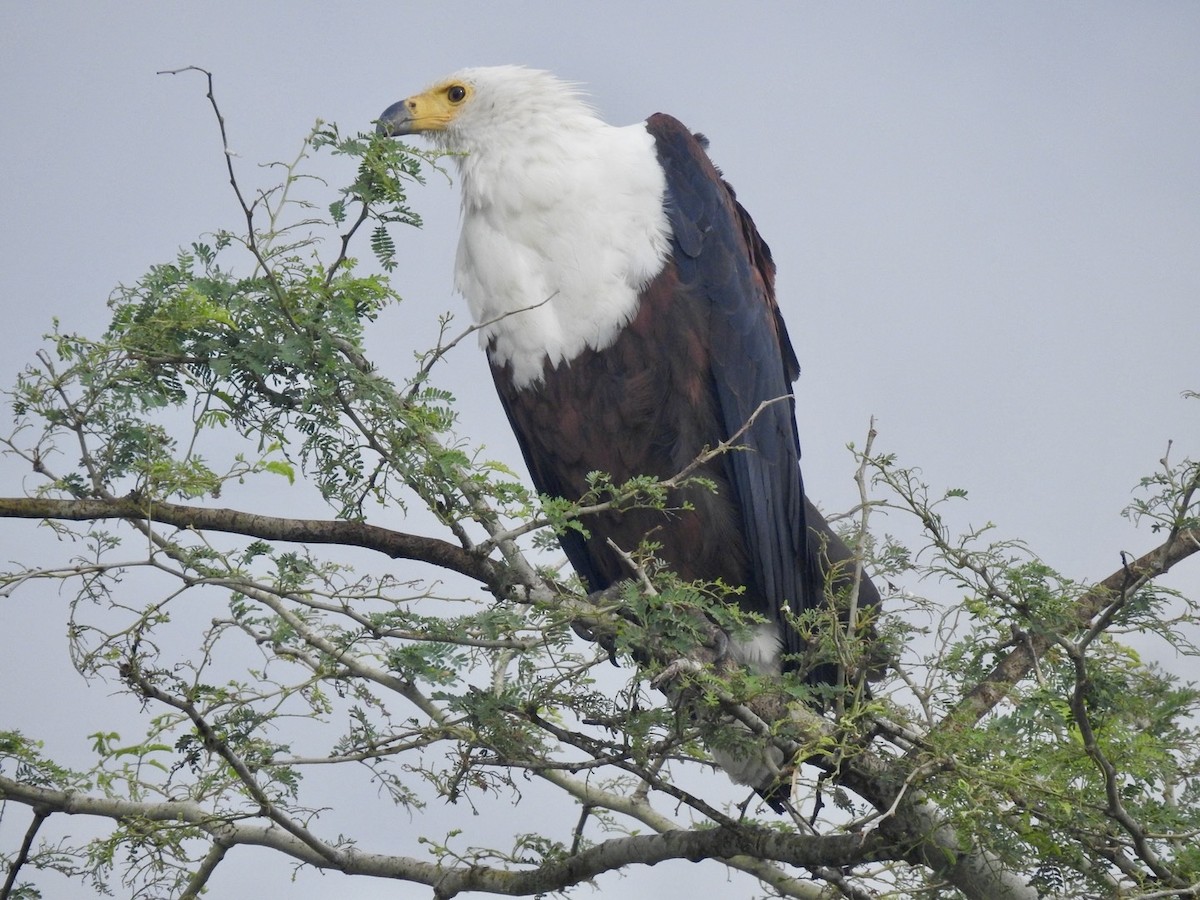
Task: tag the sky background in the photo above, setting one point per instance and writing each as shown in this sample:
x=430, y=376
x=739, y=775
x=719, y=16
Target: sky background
x=986, y=220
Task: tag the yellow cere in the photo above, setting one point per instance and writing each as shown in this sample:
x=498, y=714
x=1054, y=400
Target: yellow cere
x=434, y=109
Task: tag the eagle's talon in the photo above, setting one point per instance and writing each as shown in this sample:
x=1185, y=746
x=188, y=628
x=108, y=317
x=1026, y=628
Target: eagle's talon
x=664, y=679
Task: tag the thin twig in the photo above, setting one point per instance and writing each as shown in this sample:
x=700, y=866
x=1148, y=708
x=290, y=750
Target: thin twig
x=39, y=816
x=441, y=350
x=622, y=499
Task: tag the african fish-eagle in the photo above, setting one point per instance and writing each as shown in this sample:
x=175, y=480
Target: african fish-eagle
x=627, y=307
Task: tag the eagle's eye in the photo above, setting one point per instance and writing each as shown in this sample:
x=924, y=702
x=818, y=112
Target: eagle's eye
x=455, y=93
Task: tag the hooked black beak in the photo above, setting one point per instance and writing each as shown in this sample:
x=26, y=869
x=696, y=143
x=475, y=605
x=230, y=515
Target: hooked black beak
x=395, y=120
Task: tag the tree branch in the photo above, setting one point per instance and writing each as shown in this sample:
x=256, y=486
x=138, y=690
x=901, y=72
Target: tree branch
x=39, y=816
x=396, y=544
x=1020, y=661
x=805, y=851
x=215, y=744
x=207, y=866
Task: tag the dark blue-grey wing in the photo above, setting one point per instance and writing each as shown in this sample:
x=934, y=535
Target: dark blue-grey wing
x=720, y=255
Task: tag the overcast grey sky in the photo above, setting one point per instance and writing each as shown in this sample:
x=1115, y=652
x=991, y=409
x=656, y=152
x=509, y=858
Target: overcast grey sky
x=986, y=219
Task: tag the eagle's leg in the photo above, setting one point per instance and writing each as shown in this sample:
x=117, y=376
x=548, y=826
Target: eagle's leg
x=609, y=598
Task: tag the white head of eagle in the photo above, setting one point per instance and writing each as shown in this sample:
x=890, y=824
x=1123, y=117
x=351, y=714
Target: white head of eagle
x=627, y=306
x=563, y=219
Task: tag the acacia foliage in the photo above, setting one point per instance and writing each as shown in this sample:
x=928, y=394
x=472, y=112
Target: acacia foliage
x=1019, y=746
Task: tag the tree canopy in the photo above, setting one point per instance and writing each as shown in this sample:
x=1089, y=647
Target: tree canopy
x=1024, y=741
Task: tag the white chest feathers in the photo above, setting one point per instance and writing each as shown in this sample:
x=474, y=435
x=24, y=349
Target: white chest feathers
x=558, y=240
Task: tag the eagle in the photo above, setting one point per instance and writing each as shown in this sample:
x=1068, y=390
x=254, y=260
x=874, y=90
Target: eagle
x=626, y=303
